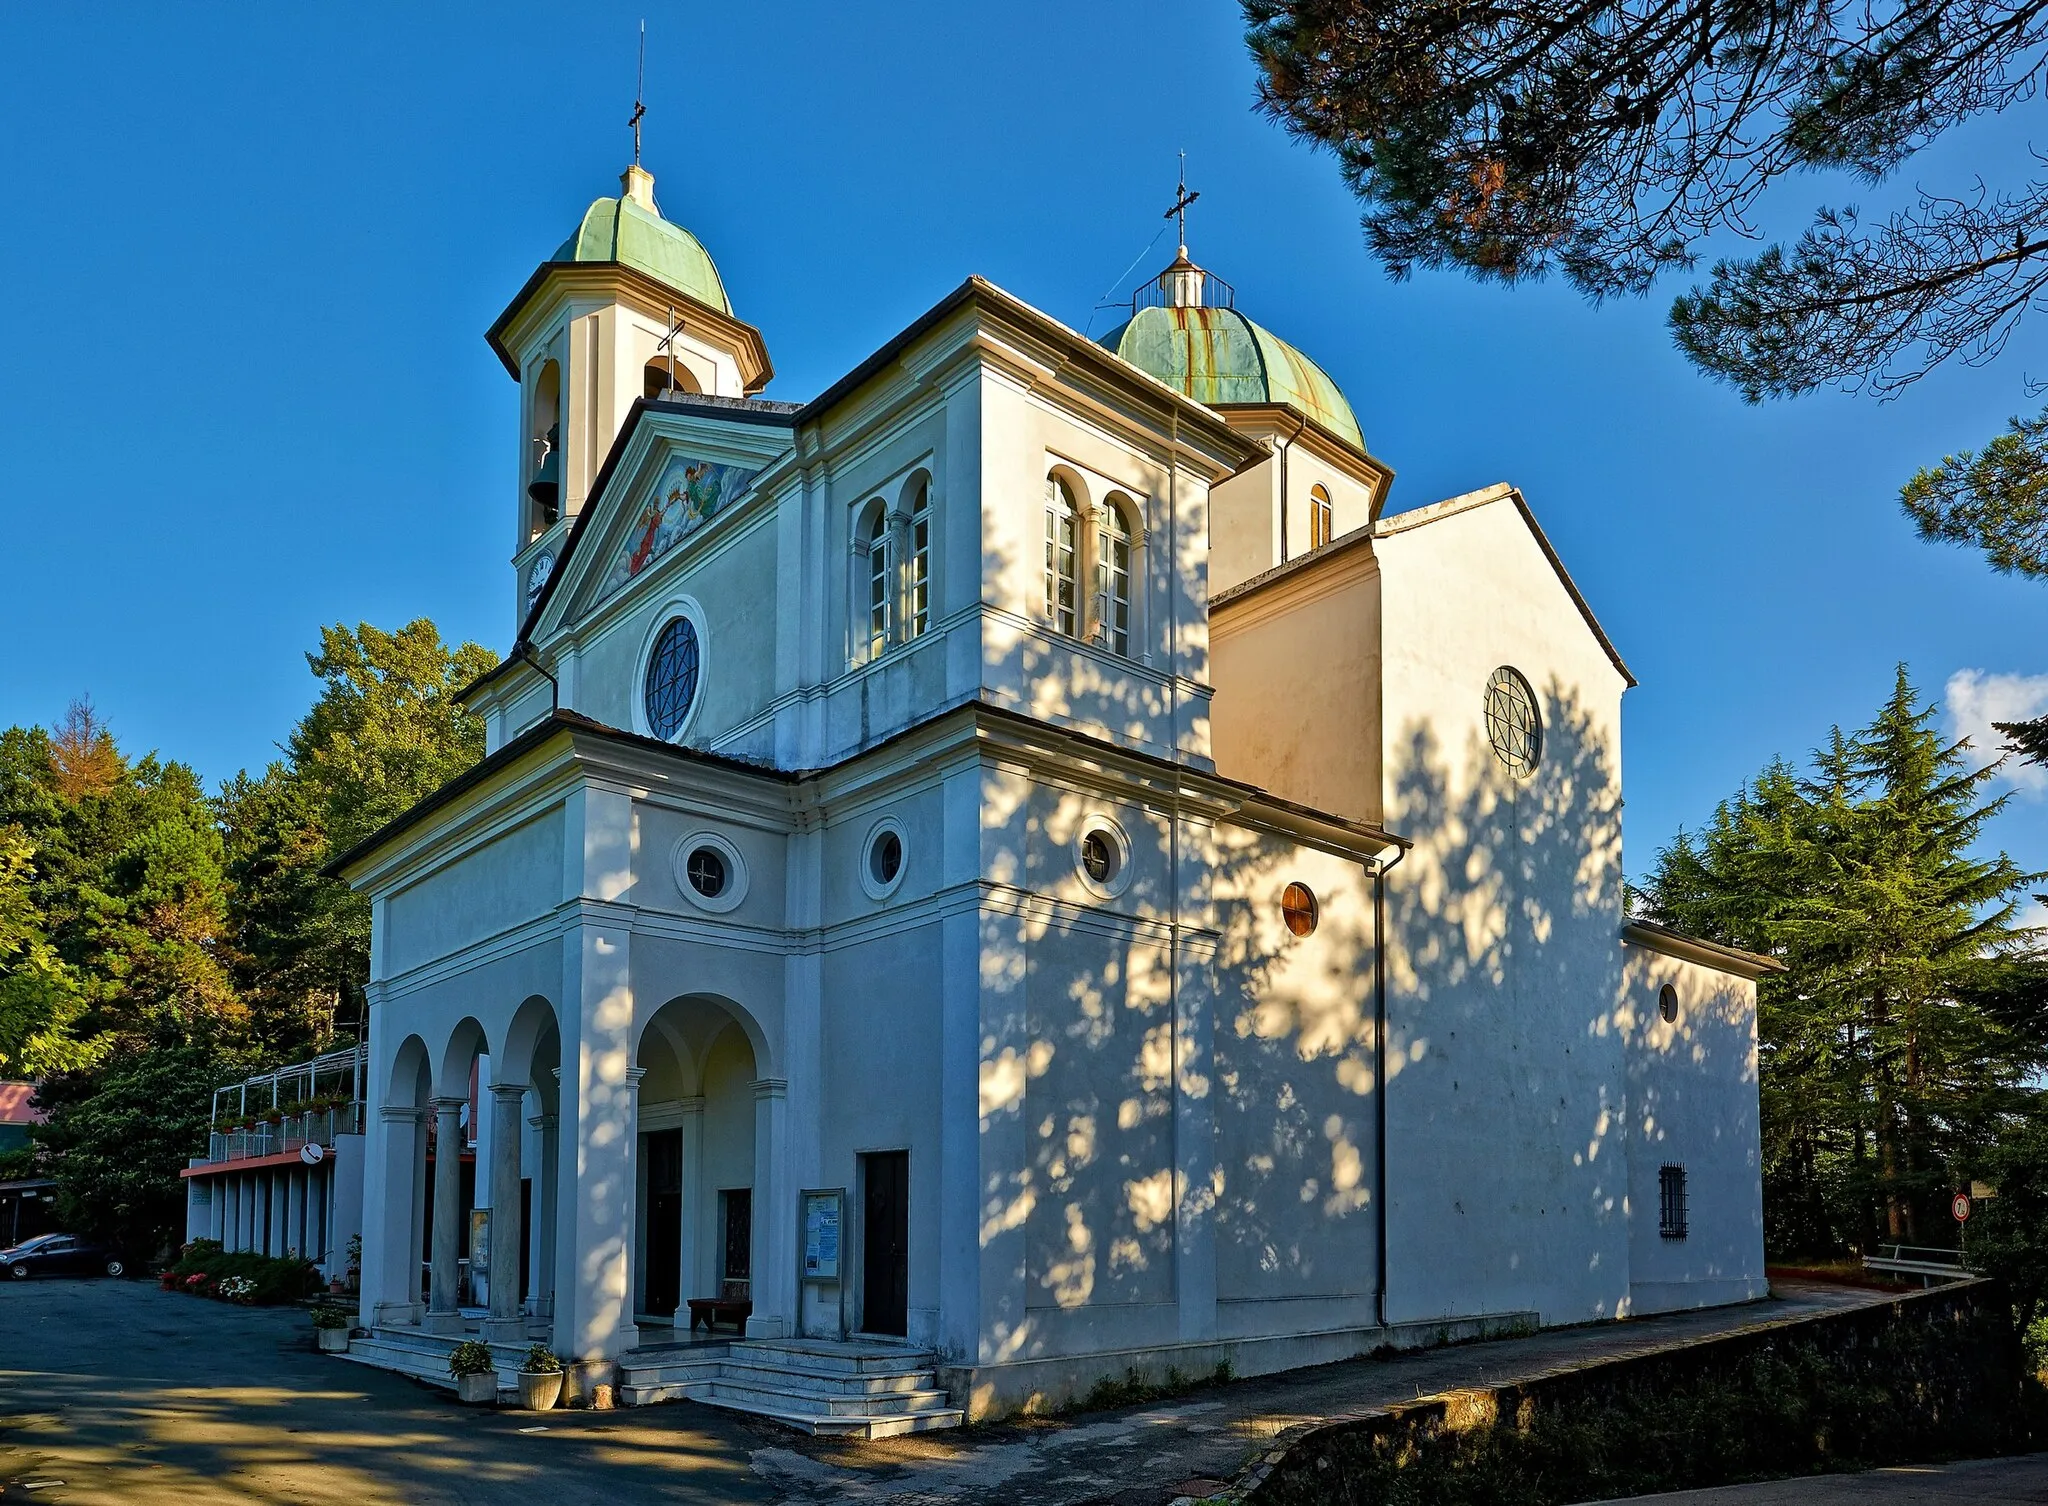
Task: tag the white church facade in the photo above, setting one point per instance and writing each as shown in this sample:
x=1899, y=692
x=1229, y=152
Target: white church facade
x=1021, y=859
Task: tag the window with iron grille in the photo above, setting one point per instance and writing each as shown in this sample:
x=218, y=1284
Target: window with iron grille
x=1671, y=1202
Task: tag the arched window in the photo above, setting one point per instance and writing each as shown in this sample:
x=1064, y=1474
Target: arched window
x=664, y=379
x=917, y=585
x=1062, y=570
x=544, y=453
x=1319, y=517
x=880, y=595
x=1113, y=577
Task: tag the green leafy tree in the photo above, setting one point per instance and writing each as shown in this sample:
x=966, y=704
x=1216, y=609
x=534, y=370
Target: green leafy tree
x=1913, y=1011
x=117, y=1137
x=1996, y=501
x=2007, y=1237
x=40, y=1003
x=385, y=732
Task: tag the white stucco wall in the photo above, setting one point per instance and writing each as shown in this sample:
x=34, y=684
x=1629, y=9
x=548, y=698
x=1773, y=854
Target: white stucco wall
x=1692, y=1089
x=1506, y=1094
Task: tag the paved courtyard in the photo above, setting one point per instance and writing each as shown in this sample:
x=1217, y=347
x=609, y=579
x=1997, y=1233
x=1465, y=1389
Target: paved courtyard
x=118, y=1392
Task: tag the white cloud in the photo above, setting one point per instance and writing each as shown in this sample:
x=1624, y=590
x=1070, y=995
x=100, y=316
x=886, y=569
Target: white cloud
x=1976, y=700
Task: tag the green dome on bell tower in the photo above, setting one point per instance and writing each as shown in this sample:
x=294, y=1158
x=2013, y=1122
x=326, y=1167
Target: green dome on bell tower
x=629, y=231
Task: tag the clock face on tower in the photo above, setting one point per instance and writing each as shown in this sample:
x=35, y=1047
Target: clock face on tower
x=537, y=576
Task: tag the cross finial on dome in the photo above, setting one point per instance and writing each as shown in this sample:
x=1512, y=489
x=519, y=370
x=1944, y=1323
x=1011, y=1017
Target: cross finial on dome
x=1180, y=205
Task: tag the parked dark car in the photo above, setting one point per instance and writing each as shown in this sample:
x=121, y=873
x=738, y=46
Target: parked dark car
x=61, y=1255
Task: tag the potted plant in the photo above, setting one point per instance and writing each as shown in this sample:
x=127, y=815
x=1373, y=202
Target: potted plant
x=330, y=1327
x=476, y=1374
x=540, y=1379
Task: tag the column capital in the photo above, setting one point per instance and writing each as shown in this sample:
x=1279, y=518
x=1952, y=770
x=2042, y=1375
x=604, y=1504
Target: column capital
x=509, y=1089
x=448, y=1105
x=633, y=1076
x=694, y=1104
x=401, y=1113
x=543, y=1121
x=771, y=1087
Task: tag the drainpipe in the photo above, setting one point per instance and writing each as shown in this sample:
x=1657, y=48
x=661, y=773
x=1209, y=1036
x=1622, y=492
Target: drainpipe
x=1379, y=1066
x=525, y=651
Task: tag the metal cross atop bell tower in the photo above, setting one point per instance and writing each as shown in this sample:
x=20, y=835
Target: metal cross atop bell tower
x=1180, y=204
x=639, y=95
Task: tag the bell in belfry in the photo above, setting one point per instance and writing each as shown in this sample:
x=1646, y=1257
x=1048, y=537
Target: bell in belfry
x=546, y=487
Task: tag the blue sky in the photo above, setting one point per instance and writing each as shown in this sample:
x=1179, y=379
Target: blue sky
x=251, y=253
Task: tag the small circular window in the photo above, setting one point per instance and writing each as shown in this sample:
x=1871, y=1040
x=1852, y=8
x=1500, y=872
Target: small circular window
x=1099, y=858
x=1299, y=909
x=885, y=857
x=1513, y=725
x=707, y=871
x=1667, y=1004
x=672, y=677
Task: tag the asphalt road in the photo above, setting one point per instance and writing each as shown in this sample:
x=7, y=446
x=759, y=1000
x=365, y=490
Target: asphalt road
x=1978, y=1482
x=115, y=1391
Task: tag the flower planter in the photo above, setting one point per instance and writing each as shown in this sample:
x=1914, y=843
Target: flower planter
x=332, y=1340
x=477, y=1389
x=539, y=1390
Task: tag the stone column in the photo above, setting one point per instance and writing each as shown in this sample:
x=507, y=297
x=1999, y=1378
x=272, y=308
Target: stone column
x=443, y=1297
x=693, y=1207
x=294, y=1212
x=391, y=1229
x=543, y=1293
x=506, y=1324
x=217, y=1210
x=773, y=1287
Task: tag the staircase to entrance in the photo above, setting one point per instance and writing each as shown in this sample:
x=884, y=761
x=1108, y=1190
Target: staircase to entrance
x=841, y=1388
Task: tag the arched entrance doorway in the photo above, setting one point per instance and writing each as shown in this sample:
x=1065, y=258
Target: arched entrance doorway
x=698, y=1228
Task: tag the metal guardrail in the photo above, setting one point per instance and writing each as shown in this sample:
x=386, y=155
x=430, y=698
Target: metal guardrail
x=287, y=1135
x=1924, y=1261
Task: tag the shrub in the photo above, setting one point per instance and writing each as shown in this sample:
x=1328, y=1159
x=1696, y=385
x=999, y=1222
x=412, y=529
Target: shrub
x=470, y=1357
x=236, y=1289
x=325, y=1316
x=541, y=1360
x=205, y=1268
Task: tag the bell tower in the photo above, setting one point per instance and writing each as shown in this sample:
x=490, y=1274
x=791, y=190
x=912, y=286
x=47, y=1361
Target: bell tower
x=629, y=310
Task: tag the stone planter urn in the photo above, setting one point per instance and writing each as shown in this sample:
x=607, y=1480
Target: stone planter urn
x=477, y=1389
x=539, y=1390
x=332, y=1340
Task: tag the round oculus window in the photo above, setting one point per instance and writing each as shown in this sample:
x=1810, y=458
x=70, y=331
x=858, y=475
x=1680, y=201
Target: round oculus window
x=1667, y=1004
x=885, y=857
x=1513, y=725
x=1101, y=859
x=707, y=871
x=672, y=677
x=1299, y=909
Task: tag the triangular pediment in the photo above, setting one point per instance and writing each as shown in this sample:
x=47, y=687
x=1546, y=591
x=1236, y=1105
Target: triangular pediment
x=673, y=480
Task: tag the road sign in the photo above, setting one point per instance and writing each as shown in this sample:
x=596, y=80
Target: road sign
x=1959, y=1205
x=312, y=1152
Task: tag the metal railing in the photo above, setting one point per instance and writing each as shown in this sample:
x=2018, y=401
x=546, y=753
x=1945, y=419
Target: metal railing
x=1925, y=1261
x=288, y=1134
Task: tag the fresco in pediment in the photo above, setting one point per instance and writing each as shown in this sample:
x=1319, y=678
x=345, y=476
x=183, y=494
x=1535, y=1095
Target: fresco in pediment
x=689, y=495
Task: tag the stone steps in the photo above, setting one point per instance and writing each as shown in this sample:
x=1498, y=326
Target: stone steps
x=424, y=1356
x=818, y=1386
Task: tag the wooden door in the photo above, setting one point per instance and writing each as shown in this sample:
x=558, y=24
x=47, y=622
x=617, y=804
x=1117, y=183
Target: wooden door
x=885, y=1242
x=664, y=1289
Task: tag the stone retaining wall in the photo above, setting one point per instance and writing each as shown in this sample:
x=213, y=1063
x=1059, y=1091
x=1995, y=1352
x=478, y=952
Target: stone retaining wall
x=1926, y=1375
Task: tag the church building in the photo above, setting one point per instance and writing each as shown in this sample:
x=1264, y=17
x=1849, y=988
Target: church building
x=1017, y=870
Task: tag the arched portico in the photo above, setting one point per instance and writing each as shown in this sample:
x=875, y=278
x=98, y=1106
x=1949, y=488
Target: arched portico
x=393, y=1243
x=708, y=1123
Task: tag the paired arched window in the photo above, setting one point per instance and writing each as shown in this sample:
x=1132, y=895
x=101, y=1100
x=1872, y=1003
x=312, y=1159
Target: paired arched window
x=1113, y=578
x=880, y=578
x=1320, y=518
x=1062, y=560
x=1110, y=548
x=893, y=585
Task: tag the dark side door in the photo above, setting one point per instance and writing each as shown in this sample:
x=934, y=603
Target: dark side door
x=885, y=1242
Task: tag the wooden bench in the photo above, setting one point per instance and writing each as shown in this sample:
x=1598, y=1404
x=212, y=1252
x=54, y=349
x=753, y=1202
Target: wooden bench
x=712, y=1311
